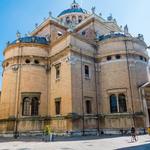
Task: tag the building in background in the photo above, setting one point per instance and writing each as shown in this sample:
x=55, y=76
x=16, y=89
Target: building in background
x=78, y=72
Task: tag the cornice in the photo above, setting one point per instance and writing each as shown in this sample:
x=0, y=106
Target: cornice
x=46, y=23
x=25, y=45
x=94, y=18
x=116, y=39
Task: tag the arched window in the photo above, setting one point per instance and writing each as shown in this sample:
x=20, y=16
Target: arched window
x=74, y=19
x=113, y=103
x=122, y=103
x=61, y=20
x=34, y=106
x=26, y=107
x=80, y=19
x=67, y=20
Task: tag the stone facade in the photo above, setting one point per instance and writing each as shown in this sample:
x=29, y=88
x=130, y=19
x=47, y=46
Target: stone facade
x=83, y=75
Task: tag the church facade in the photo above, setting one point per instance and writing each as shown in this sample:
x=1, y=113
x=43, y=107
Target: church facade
x=78, y=72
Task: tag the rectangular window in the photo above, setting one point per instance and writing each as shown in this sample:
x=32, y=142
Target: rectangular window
x=88, y=107
x=57, y=106
x=86, y=70
x=57, y=67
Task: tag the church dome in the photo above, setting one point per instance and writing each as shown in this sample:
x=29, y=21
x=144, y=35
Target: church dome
x=74, y=15
x=75, y=8
x=72, y=10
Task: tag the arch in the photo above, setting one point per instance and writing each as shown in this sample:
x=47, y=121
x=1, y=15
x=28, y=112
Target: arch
x=122, y=103
x=113, y=103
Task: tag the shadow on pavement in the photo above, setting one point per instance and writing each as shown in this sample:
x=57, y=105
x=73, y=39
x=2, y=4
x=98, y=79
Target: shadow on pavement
x=138, y=147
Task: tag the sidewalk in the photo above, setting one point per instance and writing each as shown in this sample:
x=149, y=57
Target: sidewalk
x=77, y=143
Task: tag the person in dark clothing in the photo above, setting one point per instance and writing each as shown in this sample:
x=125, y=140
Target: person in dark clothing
x=133, y=134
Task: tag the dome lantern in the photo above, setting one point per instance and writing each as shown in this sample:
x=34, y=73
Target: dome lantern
x=74, y=5
x=73, y=15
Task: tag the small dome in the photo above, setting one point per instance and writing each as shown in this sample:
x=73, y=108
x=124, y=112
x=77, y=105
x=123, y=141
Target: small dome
x=75, y=8
x=31, y=39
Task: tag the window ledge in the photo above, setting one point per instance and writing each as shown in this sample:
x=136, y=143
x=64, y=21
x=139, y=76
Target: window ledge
x=90, y=114
x=58, y=79
x=58, y=115
x=30, y=116
x=87, y=78
x=116, y=114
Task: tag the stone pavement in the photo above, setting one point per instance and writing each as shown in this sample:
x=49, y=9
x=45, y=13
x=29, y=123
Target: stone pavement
x=77, y=143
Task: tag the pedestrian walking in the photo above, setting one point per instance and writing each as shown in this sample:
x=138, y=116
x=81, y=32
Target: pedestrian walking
x=48, y=136
x=133, y=134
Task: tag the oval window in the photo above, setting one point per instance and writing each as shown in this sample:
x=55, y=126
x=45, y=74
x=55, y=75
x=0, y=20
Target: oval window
x=118, y=56
x=108, y=58
x=27, y=61
x=36, y=61
x=7, y=64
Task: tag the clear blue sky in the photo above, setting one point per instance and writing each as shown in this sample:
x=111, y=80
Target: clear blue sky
x=23, y=14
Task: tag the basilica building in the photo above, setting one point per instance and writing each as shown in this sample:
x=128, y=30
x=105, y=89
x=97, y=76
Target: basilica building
x=78, y=73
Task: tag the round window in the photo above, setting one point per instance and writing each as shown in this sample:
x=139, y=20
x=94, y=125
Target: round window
x=118, y=56
x=36, y=61
x=27, y=61
x=7, y=64
x=108, y=58
x=141, y=57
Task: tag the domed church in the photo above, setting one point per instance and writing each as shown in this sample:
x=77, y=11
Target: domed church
x=78, y=73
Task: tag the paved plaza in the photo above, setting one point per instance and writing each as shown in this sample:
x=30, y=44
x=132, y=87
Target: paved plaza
x=77, y=143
